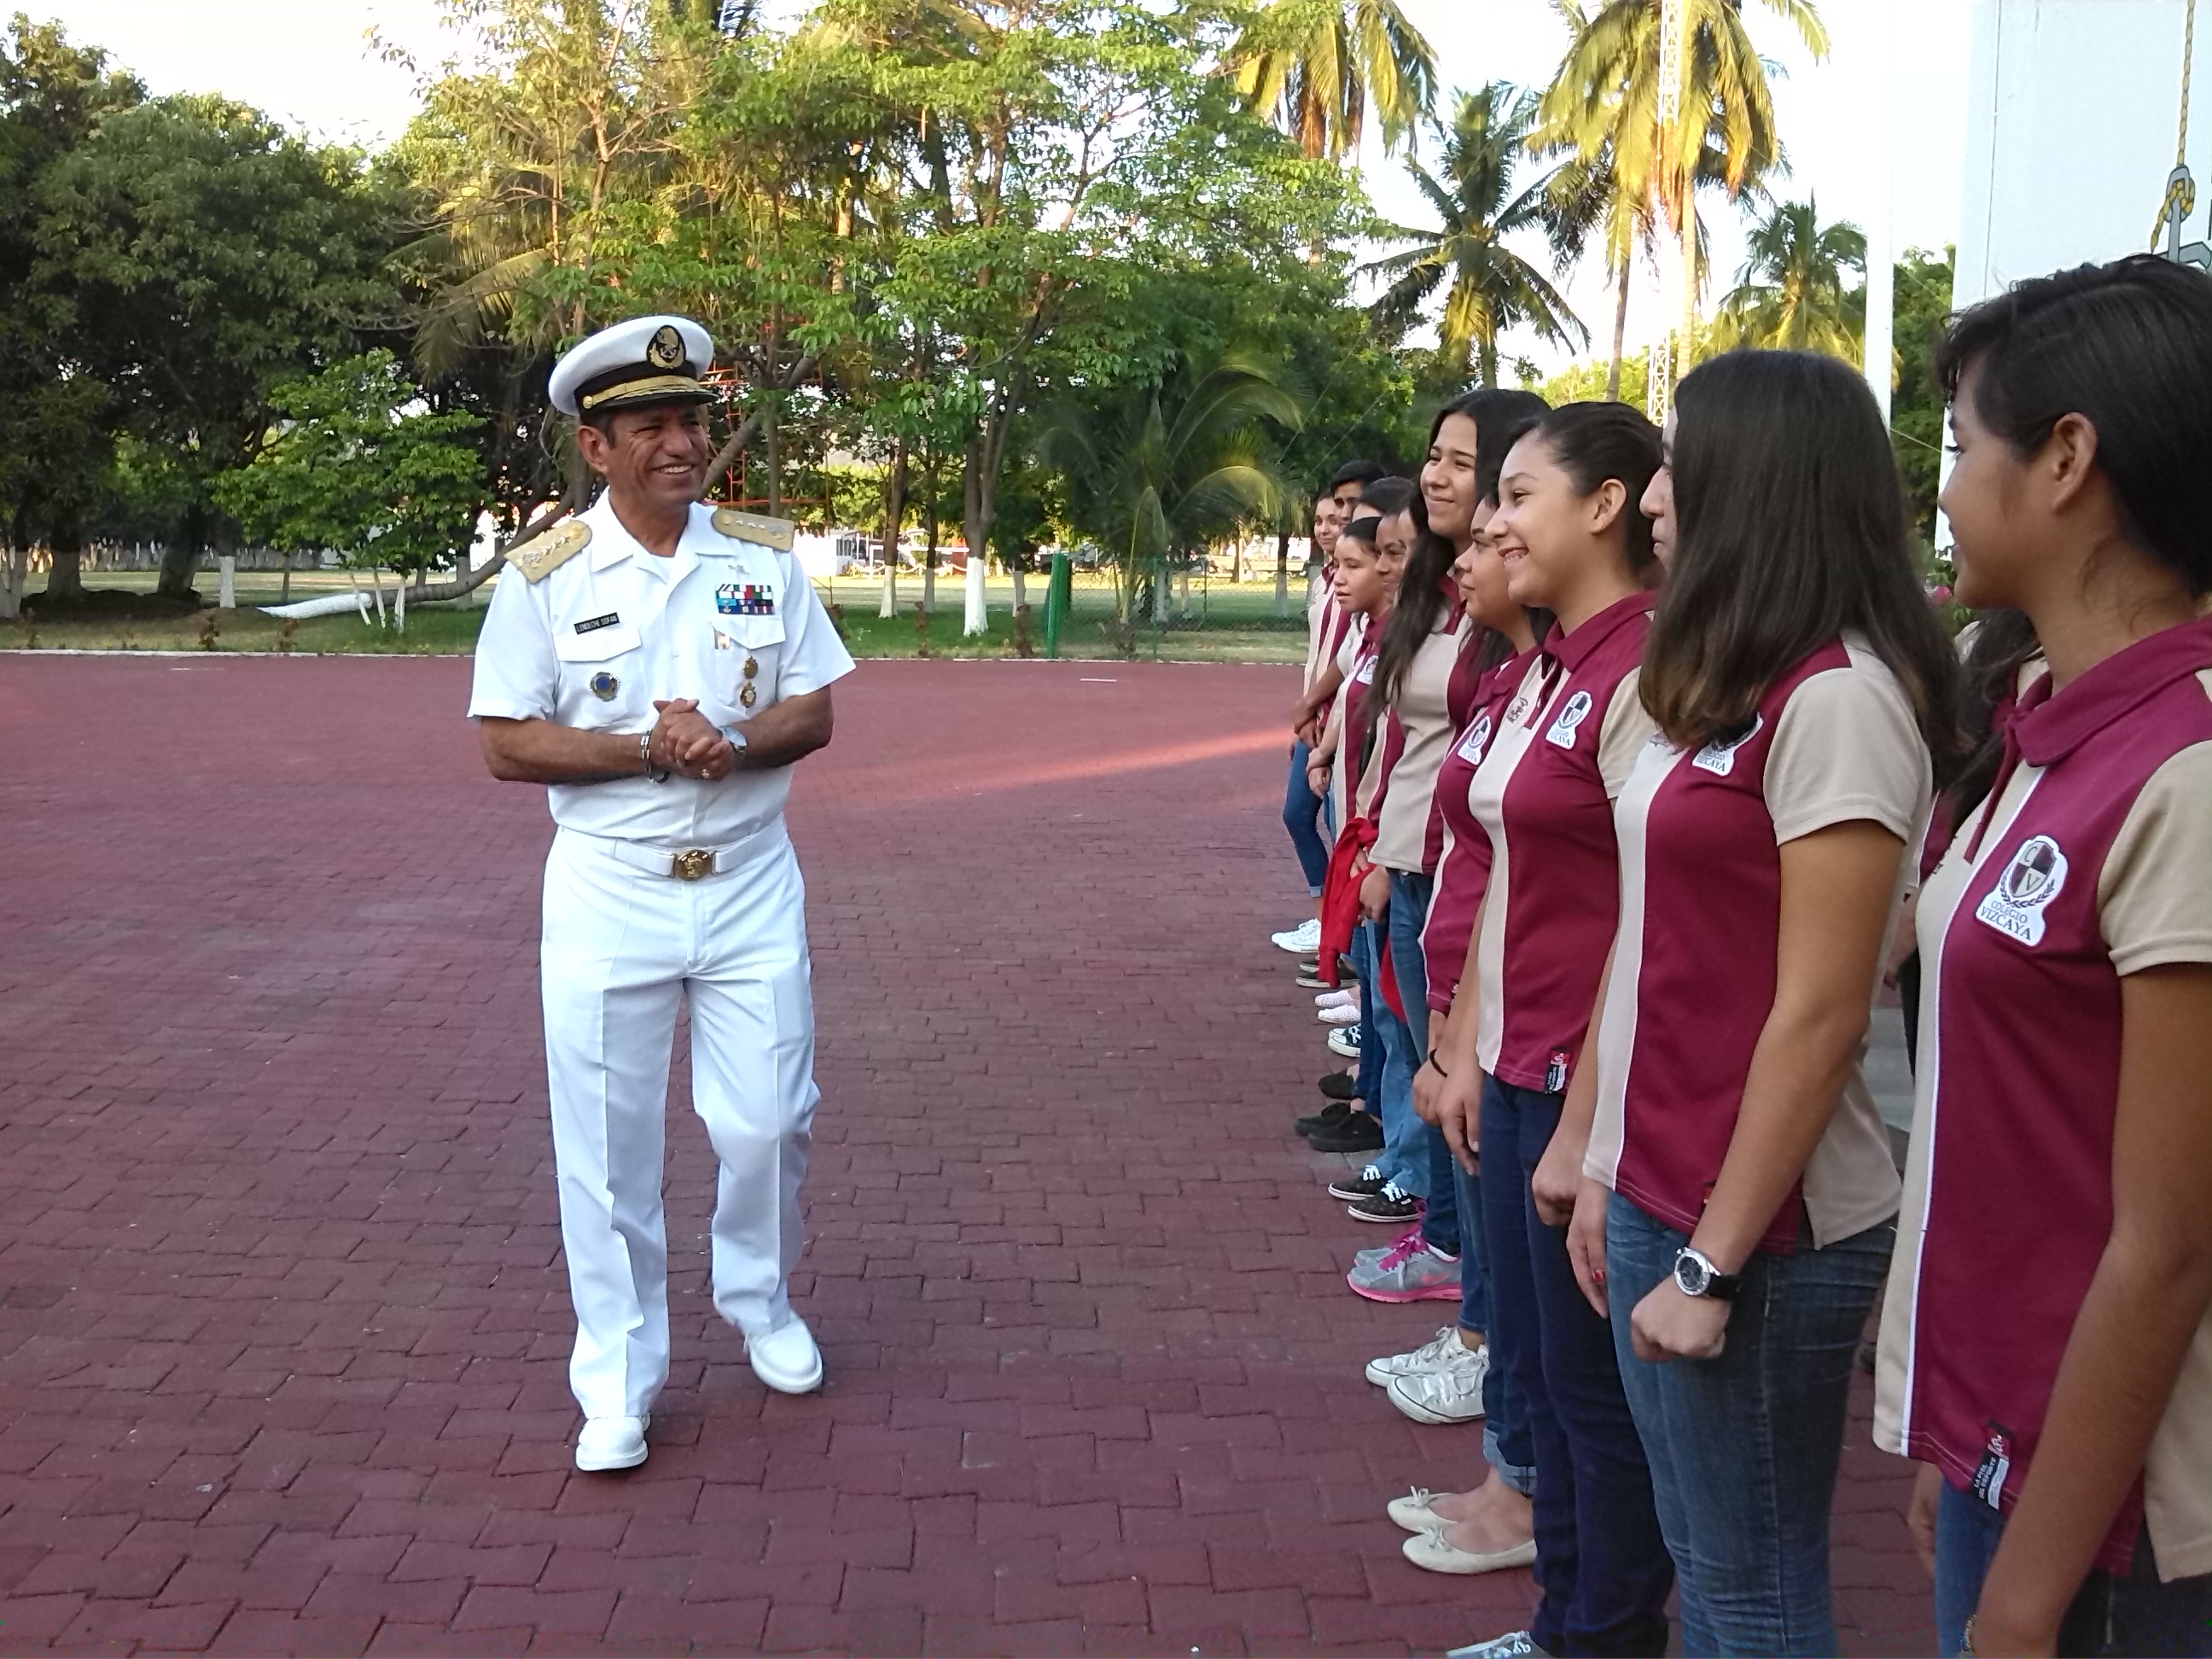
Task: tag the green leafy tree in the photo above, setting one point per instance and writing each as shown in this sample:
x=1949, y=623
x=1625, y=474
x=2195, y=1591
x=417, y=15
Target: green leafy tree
x=1162, y=469
x=1608, y=103
x=212, y=256
x=1916, y=403
x=57, y=419
x=1315, y=66
x=1794, y=291
x=1488, y=288
x=1068, y=163
x=358, y=463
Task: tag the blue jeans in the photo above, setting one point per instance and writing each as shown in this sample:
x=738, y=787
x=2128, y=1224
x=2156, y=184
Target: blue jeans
x=1368, y=1082
x=1405, y=1154
x=1601, y=1565
x=1505, y=1444
x=2111, y=1615
x=1743, y=1449
x=1302, y=817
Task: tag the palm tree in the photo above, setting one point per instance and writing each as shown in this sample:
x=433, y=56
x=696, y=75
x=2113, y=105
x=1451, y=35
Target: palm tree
x=1791, y=292
x=1316, y=65
x=1670, y=115
x=1488, y=288
x=1163, y=469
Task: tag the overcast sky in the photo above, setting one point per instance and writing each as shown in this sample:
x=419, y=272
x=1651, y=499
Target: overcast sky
x=1899, y=68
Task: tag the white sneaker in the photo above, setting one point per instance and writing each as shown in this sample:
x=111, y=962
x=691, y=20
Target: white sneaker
x=1449, y=1393
x=610, y=1443
x=1337, y=999
x=1302, y=940
x=1339, y=1013
x=1433, y=1355
x=1519, y=1645
x=786, y=1358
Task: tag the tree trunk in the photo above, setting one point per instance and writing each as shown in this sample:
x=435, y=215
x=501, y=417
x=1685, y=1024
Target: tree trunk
x=181, y=558
x=1282, y=575
x=1021, y=584
x=894, y=516
x=284, y=592
x=15, y=573
x=1620, y=332
x=929, y=521
x=65, y=576
x=1489, y=362
x=774, y=462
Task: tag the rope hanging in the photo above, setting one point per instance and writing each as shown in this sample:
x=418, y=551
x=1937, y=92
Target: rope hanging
x=2180, y=188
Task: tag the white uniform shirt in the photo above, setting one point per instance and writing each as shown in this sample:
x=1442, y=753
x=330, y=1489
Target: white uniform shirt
x=615, y=628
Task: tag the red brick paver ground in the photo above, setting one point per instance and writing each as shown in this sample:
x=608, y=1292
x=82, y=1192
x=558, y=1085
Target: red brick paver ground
x=281, y=1316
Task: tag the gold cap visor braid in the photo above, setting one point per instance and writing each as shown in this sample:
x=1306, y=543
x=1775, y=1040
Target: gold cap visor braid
x=650, y=389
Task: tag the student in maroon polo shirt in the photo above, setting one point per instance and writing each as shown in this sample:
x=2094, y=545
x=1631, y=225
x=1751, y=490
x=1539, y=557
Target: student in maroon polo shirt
x=1573, y=541
x=1737, y=1198
x=1489, y=1526
x=2045, y=1348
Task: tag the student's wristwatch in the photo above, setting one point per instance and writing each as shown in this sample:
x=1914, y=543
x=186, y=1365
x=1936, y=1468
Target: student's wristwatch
x=1695, y=1275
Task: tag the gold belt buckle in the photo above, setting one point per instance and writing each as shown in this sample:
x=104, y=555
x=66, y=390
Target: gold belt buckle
x=691, y=864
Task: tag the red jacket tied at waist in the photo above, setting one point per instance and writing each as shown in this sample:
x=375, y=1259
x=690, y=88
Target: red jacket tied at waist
x=1340, y=909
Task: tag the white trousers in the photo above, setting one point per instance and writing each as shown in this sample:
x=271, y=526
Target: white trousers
x=619, y=945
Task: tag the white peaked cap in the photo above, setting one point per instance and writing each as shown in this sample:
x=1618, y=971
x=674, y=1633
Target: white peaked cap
x=647, y=360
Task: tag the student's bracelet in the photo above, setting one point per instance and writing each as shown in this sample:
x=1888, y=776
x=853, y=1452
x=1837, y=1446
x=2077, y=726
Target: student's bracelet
x=1440, y=1070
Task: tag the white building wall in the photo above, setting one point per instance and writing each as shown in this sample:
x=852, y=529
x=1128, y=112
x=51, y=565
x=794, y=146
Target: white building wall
x=2071, y=111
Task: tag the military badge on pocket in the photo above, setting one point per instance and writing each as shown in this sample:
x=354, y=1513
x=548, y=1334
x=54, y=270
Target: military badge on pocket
x=604, y=685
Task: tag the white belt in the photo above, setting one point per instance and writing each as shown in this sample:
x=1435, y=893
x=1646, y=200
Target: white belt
x=687, y=864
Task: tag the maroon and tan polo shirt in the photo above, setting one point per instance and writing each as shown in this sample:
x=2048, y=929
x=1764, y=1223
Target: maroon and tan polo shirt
x=1544, y=795
x=1462, y=844
x=1417, y=734
x=2094, y=860
x=1355, y=663
x=1834, y=741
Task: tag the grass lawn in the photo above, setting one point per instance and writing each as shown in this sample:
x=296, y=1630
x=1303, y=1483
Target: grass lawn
x=1238, y=624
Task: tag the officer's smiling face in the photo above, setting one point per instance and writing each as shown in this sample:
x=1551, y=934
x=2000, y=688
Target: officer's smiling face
x=657, y=454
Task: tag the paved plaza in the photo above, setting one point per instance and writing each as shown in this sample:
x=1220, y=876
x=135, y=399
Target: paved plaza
x=282, y=1318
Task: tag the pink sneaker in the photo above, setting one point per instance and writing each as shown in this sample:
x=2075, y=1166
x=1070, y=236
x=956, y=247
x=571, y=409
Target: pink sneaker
x=1409, y=1271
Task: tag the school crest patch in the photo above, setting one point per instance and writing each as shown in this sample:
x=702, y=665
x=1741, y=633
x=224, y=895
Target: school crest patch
x=2032, y=878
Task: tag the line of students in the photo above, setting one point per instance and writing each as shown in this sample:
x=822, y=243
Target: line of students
x=1628, y=776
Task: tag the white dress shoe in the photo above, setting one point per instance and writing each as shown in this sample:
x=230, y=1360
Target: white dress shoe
x=611, y=1442
x=1412, y=1511
x=1430, y=1551
x=786, y=1358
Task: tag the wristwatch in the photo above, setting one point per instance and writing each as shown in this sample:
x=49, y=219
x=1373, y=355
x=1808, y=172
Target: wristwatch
x=1695, y=1275
x=735, y=734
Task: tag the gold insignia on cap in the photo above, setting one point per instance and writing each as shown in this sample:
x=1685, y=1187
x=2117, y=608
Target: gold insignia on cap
x=539, y=556
x=755, y=527
x=665, y=348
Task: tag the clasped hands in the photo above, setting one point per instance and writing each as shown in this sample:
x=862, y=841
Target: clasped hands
x=685, y=741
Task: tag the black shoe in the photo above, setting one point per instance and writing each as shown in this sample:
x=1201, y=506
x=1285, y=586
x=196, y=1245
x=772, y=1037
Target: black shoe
x=1388, y=1205
x=1341, y=1085
x=1360, y=1131
x=1367, y=1183
x=1327, y=1118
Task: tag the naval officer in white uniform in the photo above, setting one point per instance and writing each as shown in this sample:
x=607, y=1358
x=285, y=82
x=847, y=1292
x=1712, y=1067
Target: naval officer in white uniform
x=661, y=666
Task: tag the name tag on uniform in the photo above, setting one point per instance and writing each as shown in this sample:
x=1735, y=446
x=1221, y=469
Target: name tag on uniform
x=745, y=599
x=610, y=620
